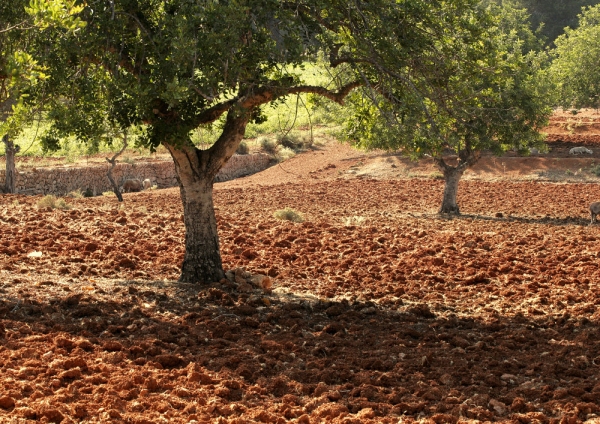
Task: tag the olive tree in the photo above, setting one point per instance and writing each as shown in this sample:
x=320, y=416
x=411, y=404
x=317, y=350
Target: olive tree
x=21, y=23
x=575, y=64
x=170, y=67
x=475, y=89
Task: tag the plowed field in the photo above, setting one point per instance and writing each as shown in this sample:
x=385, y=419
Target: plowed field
x=380, y=311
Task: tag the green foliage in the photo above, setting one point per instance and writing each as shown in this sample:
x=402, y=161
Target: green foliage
x=267, y=144
x=551, y=17
x=76, y=194
x=163, y=65
x=243, y=149
x=289, y=214
x=291, y=141
x=21, y=73
x=475, y=89
x=575, y=65
x=284, y=153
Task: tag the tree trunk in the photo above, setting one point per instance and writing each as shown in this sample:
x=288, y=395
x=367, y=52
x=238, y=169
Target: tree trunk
x=196, y=170
x=451, y=178
x=202, y=260
x=113, y=163
x=113, y=183
x=10, y=180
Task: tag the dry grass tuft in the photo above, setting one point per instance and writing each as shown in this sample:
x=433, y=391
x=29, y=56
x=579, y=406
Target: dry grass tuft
x=52, y=202
x=289, y=214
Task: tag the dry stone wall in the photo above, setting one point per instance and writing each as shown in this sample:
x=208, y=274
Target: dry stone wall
x=61, y=181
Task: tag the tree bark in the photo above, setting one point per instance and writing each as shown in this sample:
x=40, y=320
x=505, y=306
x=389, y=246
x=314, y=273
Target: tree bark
x=113, y=162
x=451, y=178
x=196, y=170
x=10, y=180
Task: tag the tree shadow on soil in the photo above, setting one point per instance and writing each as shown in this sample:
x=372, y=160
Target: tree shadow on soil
x=410, y=359
x=567, y=221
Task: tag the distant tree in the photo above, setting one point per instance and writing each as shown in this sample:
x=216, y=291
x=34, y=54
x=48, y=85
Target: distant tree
x=477, y=90
x=20, y=25
x=575, y=67
x=551, y=17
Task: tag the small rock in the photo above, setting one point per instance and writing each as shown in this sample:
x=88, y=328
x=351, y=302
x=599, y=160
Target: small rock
x=200, y=378
x=498, y=406
x=6, y=402
x=73, y=373
x=366, y=413
x=446, y=379
x=244, y=287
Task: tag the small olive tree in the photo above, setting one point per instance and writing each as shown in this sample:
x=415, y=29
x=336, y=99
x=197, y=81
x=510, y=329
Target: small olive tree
x=476, y=90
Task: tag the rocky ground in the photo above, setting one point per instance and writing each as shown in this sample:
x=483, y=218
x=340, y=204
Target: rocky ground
x=375, y=309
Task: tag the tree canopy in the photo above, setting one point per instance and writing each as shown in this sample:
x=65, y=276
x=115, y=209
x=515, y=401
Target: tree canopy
x=551, y=17
x=575, y=64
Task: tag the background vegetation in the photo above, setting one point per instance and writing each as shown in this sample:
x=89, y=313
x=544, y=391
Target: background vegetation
x=305, y=116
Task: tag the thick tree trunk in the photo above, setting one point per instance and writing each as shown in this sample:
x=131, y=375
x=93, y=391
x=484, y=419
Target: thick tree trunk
x=196, y=170
x=202, y=260
x=451, y=178
x=10, y=180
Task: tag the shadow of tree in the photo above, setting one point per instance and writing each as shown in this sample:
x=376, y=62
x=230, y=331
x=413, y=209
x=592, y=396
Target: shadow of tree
x=413, y=359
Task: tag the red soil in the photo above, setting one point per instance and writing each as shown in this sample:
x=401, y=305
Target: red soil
x=380, y=311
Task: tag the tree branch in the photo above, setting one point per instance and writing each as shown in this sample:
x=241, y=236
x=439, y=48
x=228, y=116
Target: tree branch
x=268, y=94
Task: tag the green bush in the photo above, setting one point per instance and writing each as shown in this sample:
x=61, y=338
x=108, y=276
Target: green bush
x=284, y=153
x=267, y=145
x=289, y=214
x=243, y=149
x=595, y=169
x=75, y=194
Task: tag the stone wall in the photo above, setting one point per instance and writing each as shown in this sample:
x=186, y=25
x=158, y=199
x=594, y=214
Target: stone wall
x=60, y=181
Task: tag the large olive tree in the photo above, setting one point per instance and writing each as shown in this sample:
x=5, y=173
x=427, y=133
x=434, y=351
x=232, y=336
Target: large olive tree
x=172, y=66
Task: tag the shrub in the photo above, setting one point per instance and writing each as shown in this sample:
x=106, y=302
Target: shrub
x=75, y=194
x=290, y=141
x=289, y=214
x=62, y=204
x=48, y=201
x=267, y=145
x=284, y=153
x=52, y=202
x=243, y=149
